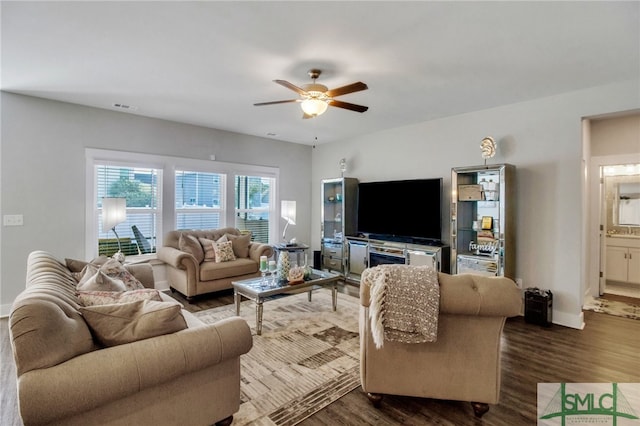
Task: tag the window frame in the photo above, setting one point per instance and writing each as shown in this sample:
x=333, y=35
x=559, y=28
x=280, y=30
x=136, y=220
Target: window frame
x=223, y=203
x=269, y=210
x=167, y=166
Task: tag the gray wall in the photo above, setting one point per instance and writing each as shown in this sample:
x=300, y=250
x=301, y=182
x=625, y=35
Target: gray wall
x=42, y=168
x=542, y=138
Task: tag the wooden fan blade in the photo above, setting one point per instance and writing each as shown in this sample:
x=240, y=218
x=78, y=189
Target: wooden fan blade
x=349, y=88
x=277, y=102
x=291, y=86
x=347, y=105
x=305, y=115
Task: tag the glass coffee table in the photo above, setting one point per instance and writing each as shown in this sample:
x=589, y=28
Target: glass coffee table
x=261, y=289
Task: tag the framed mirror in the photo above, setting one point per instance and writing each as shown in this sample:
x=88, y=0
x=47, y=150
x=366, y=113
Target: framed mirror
x=622, y=196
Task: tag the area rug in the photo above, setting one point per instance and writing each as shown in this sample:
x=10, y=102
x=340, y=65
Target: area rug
x=612, y=307
x=306, y=358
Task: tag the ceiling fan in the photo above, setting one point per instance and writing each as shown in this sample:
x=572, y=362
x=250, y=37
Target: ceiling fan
x=315, y=98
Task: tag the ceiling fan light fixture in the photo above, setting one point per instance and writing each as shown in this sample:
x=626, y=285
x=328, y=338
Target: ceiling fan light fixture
x=314, y=106
x=316, y=98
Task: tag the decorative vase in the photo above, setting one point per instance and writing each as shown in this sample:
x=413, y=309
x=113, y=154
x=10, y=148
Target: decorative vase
x=284, y=265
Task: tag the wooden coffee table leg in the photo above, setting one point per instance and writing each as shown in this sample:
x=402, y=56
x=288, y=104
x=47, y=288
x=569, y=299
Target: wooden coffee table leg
x=309, y=295
x=259, y=317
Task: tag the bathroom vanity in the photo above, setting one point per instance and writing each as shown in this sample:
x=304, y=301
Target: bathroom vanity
x=623, y=258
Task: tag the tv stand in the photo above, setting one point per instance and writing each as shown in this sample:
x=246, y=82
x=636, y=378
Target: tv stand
x=369, y=252
x=409, y=240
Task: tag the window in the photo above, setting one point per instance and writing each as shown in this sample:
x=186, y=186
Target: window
x=140, y=188
x=253, y=205
x=165, y=193
x=199, y=200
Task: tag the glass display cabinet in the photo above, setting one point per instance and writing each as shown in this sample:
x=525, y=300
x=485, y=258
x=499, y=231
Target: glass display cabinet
x=483, y=220
x=339, y=220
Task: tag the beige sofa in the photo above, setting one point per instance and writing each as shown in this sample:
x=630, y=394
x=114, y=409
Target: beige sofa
x=191, y=275
x=464, y=362
x=65, y=377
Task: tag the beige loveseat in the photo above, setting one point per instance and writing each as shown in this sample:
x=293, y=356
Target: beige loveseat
x=64, y=377
x=191, y=274
x=463, y=364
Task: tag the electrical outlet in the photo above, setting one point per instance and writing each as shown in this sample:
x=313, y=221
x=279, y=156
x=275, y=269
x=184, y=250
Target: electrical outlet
x=519, y=282
x=12, y=220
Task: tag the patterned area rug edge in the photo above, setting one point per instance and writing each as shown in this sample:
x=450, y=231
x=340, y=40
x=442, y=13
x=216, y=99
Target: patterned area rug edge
x=314, y=348
x=305, y=406
x=612, y=307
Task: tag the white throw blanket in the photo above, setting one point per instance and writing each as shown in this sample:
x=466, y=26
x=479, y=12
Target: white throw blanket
x=404, y=303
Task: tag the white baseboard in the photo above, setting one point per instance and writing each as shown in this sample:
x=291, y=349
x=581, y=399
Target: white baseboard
x=569, y=320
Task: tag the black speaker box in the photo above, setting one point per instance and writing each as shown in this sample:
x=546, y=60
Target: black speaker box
x=538, y=306
x=317, y=260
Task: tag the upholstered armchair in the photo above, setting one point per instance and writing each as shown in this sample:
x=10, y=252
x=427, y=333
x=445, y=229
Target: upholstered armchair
x=463, y=363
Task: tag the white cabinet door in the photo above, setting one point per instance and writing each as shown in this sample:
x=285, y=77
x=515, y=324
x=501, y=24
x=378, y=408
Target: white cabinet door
x=634, y=265
x=617, y=263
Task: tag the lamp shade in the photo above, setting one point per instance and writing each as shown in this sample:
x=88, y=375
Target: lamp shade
x=288, y=211
x=114, y=212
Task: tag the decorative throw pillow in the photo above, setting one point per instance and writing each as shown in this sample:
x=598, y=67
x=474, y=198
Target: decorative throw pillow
x=190, y=244
x=77, y=266
x=91, y=298
x=207, y=246
x=224, y=251
x=101, y=281
x=128, y=322
x=114, y=269
x=240, y=244
x=87, y=273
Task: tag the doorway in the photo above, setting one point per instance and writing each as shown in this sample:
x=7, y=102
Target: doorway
x=620, y=224
x=612, y=153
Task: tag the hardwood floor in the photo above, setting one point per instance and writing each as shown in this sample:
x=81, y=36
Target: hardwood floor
x=605, y=351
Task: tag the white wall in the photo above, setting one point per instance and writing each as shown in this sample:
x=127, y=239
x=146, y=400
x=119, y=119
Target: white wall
x=542, y=138
x=43, y=172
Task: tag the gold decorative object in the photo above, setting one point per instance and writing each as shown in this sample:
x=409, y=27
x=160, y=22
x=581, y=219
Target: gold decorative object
x=488, y=148
x=296, y=275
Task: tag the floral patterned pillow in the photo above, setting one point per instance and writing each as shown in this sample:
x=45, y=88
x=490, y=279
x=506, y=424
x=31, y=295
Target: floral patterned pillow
x=92, y=298
x=113, y=269
x=102, y=282
x=224, y=251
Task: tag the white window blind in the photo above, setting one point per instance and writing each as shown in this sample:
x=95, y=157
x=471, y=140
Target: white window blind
x=253, y=205
x=199, y=200
x=140, y=187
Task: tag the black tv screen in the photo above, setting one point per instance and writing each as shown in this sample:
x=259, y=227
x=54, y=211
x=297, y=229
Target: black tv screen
x=401, y=208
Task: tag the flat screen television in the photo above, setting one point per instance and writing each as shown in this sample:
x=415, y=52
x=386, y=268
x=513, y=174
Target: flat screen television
x=401, y=209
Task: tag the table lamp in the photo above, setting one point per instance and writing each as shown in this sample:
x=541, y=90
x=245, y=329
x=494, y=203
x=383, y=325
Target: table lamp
x=288, y=213
x=114, y=212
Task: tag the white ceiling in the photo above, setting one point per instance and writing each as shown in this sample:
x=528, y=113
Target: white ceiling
x=207, y=63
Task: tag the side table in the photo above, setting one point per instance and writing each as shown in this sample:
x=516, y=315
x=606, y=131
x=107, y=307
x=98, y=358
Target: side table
x=299, y=250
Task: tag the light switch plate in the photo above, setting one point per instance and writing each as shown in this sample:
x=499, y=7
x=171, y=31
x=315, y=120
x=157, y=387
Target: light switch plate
x=12, y=220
